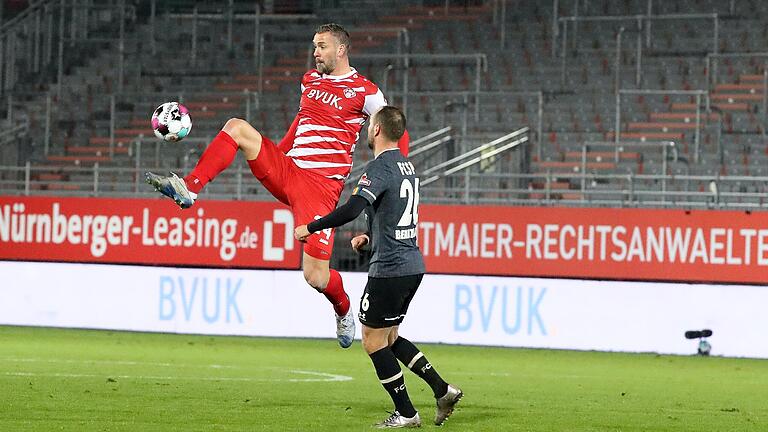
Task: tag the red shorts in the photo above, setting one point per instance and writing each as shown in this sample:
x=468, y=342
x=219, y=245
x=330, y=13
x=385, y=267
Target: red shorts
x=308, y=194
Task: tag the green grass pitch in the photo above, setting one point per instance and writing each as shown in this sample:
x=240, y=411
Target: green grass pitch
x=75, y=380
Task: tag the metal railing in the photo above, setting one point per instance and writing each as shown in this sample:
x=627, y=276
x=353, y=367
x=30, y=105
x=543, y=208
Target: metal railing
x=478, y=96
x=464, y=162
x=605, y=190
x=480, y=61
x=539, y=189
x=666, y=148
x=713, y=60
x=642, y=22
x=699, y=94
x=416, y=148
x=28, y=42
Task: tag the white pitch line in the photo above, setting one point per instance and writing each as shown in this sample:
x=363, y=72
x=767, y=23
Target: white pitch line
x=325, y=377
x=113, y=362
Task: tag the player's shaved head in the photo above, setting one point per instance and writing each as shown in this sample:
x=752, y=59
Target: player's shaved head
x=391, y=121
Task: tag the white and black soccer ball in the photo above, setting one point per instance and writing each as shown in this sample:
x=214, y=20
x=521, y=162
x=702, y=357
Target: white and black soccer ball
x=171, y=121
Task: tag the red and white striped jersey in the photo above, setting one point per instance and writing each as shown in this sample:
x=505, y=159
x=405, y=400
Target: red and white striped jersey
x=332, y=111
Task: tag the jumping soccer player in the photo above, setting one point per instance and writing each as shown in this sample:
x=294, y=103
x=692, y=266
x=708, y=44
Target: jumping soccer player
x=390, y=188
x=307, y=169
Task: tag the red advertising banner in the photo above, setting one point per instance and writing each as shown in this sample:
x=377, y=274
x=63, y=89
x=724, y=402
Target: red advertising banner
x=596, y=243
x=592, y=243
x=148, y=231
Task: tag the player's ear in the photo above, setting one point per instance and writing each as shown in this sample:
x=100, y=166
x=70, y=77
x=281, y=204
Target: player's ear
x=376, y=129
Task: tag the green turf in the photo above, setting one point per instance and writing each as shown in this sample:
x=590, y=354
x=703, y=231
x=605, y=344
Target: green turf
x=52, y=379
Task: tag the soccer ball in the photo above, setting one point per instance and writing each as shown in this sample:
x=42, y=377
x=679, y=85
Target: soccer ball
x=171, y=121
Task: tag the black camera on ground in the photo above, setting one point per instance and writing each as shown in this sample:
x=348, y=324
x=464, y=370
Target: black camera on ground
x=704, y=346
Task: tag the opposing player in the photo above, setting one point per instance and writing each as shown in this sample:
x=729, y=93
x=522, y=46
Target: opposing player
x=390, y=187
x=307, y=169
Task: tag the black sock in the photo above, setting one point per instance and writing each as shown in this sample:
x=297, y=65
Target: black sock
x=391, y=377
x=406, y=352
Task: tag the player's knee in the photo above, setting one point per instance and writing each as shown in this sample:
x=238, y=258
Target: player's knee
x=371, y=344
x=246, y=137
x=316, y=278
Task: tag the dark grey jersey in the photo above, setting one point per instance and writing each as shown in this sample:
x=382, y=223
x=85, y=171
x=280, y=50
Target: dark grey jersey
x=391, y=187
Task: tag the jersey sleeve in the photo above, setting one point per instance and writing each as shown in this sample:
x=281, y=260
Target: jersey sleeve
x=373, y=182
x=374, y=100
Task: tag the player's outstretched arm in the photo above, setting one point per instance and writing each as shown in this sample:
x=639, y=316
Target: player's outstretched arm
x=342, y=215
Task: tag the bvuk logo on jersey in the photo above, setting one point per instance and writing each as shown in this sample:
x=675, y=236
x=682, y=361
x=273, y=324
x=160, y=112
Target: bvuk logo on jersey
x=349, y=93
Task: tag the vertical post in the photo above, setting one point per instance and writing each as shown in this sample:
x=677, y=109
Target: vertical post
x=555, y=28
x=48, y=49
x=193, y=54
x=230, y=17
x=96, y=179
x=248, y=106
x=10, y=68
x=617, y=84
x=27, y=176
x=478, y=60
x=152, y=16
x=575, y=37
x=9, y=110
x=36, y=42
x=464, y=118
x=548, y=186
x=503, y=25
x=60, y=68
x=467, y=179
x=157, y=152
x=649, y=12
x=257, y=35
x=540, y=122
x=697, y=137
x=86, y=15
x=639, y=55
x=112, y=125
x=716, y=38
x=664, y=172
x=406, y=72
x=47, y=138
x=121, y=61
x=765, y=99
x=239, y=188
x=2, y=65
x=564, y=53
x=137, y=166
x=261, y=65
x=73, y=25
x=732, y=9
x=616, y=131
x=583, y=168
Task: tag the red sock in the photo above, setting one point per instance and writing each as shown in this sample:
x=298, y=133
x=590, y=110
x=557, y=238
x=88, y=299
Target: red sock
x=219, y=154
x=335, y=294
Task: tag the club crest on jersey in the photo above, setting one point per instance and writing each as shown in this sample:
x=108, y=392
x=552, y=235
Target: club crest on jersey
x=349, y=93
x=364, y=180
